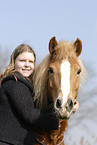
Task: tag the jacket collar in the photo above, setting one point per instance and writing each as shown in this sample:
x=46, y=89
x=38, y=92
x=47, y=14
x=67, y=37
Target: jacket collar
x=18, y=77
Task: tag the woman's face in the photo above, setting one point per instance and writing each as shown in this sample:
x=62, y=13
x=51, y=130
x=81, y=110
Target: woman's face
x=24, y=63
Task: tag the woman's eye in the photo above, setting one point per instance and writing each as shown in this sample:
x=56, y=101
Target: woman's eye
x=31, y=61
x=79, y=71
x=22, y=60
x=51, y=70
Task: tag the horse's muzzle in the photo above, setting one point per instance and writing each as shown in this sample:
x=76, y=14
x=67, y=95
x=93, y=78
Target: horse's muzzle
x=66, y=110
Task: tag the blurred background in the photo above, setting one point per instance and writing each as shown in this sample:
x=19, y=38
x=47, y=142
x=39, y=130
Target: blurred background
x=34, y=22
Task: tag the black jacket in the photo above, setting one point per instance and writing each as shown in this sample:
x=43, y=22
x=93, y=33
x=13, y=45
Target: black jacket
x=18, y=116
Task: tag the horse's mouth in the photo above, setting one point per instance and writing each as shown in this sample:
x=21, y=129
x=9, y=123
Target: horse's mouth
x=64, y=116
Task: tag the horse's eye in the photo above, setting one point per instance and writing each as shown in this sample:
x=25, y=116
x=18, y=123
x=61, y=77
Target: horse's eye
x=51, y=70
x=78, y=72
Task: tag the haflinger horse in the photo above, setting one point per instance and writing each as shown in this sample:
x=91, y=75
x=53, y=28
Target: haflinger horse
x=56, y=82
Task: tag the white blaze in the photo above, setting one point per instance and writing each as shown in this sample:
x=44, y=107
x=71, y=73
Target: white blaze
x=65, y=80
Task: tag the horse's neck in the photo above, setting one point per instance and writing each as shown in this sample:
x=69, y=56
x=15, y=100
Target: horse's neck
x=52, y=137
x=57, y=136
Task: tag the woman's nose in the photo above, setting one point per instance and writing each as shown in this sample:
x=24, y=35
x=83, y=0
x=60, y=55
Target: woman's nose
x=27, y=63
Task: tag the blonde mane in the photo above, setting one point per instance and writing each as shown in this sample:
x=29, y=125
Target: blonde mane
x=64, y=49
x=40, y=81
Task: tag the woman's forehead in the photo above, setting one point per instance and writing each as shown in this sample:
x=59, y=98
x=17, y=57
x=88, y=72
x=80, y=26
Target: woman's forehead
x=26, y=55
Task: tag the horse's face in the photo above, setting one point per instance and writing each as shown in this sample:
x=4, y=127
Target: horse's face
x=63, y=80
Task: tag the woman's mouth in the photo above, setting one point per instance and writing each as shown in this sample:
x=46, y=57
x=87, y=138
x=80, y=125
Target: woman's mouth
x=26, y=69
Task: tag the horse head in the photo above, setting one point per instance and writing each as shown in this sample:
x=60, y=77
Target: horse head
x=63, y=76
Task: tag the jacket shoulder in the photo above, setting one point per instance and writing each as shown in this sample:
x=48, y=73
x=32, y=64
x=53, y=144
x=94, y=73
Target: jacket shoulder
x=17, y=77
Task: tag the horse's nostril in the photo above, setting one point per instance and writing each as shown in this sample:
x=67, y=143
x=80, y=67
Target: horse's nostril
x=70, y=104
x=58, y=103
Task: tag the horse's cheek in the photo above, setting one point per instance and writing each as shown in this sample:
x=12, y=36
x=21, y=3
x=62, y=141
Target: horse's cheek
x=75, y=92
x=51, y=84
x=57, y=82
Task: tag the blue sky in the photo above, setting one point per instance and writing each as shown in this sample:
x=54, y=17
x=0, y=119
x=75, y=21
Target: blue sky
x=35, y=21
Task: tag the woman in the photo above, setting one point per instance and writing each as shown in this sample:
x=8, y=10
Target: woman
x=18, y=115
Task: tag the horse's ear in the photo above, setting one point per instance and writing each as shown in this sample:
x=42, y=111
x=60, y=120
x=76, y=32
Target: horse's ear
x=78, y=46
x=52, y=45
